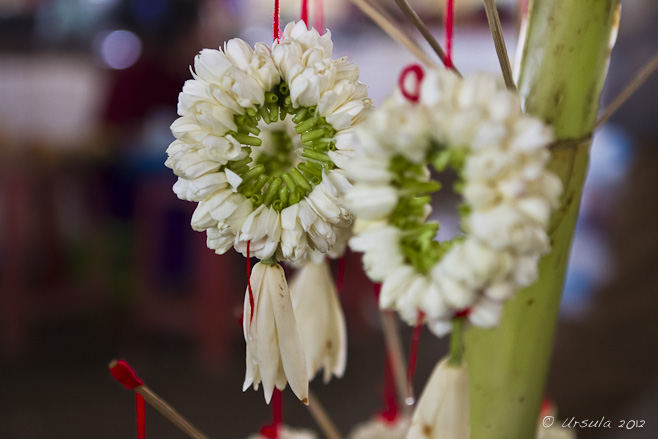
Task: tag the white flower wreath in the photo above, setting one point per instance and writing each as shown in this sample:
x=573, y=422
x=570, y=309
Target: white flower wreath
x=477, y=127
x=281, y=192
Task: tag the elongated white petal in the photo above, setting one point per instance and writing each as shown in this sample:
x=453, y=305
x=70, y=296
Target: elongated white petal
x=292, y=353
x=442, y=410
x=320, y=320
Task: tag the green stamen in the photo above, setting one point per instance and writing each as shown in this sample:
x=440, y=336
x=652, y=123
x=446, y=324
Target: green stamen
x=300, y=180
x=312, y=135
x=300, y=116
x=290, y=183
x=314, y=155
x=252, y=173
x=264, y=114
x=271, y=191
x=306, y=125
x=247, y=140
x=283, y=195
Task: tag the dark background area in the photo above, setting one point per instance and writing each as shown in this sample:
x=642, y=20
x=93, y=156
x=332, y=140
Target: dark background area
x=97, y=259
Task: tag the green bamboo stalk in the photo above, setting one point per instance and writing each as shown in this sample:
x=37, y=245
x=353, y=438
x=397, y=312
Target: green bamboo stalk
x=564, y=63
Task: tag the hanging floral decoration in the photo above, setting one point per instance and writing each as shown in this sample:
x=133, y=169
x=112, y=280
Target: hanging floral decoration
x=475, y=126
x=260, y=142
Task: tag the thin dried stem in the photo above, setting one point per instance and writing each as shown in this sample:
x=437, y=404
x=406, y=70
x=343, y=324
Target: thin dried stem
x=170, y=413
x=406, y=8
x=628, y=91
x=394, y=349
x=392, y=30
x=499, y=42
x=322, y=417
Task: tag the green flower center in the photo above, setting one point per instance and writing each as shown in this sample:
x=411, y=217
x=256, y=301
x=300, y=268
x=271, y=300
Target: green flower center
x=417, y=244
x=272, y=178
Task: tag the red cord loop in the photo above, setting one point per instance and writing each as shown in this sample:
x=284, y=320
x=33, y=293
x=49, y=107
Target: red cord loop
x=123, y=373
x=402, y=82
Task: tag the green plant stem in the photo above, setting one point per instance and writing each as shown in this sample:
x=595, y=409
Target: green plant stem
x=456, y=355
x=565, y=58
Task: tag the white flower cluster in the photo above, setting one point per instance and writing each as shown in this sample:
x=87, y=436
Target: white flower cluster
x=286, y=432
x=379, y=428
x=231, y=85
x=507, y=190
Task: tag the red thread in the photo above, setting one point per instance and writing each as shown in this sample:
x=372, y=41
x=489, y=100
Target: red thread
x=271, y=431
x=376, y=289
x=390, y=413
x=319, y=16
x=123, y=373
x=276, y=33
x=449, y=30
x=463, y=313
x=523, y=9
x=413, y=351
x=141, y=416
x=416, y=70
x=341, y=274
x=251, y=293
x=304, y=14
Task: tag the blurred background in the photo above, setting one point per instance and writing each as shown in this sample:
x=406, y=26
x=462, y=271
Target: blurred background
x=98, y=261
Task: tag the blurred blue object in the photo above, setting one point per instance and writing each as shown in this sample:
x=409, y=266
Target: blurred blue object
x=591, y=264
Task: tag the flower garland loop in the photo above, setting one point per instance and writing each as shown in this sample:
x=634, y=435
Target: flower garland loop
x=475, y=126
x=260, y=142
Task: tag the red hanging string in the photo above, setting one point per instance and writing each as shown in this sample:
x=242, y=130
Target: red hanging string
x=319, y=16
x=523, y=9
x=449, y=30
x=271, y=431
x=251, y=293
x=463, y=313
x=276, y=33
x=304, y=14
x=402, y=82
x=413, y=352
x=341, y=274
x=141, y=416
x=391, y=410
x=123, y=373
x=376, y=289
